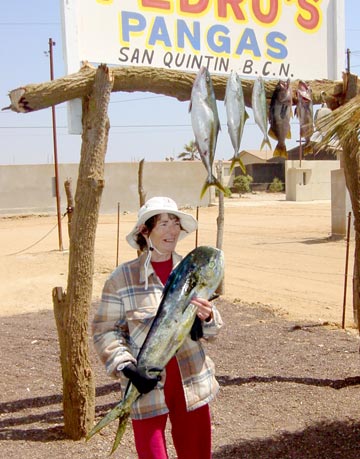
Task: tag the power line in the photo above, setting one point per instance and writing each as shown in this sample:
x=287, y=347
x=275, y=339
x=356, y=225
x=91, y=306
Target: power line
x=138, y=98
x=125, y=126
x=28, y=23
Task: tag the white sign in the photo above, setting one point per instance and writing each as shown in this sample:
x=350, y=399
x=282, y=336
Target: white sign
x=297, y=39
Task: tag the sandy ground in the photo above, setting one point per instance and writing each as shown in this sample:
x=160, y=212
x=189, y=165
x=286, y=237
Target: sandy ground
x=289, y=385
x=278, y=253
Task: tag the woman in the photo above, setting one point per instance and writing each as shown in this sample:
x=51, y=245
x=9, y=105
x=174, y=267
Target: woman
x=129, y=304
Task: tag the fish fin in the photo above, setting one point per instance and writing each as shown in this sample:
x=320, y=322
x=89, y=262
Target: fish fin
x=204, y=188
x=120, y=432
x=280, y=150
x=272, y=134
x=265, y=141
x=109, y=417
x=246, y=116
x=241, y=164
x=307, y=148
x=288, y=135
x=232, y=165
x=218, y=185
x=121, y=411
x=213, y=181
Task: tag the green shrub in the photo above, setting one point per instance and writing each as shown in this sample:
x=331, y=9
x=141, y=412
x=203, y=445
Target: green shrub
x=242, y=183
x=276, y=186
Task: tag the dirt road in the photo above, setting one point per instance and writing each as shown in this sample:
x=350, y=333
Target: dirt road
x=277, y=253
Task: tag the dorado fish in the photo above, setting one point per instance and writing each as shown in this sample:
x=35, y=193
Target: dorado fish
x=236, y=116
x=205, y=123
x=197, y=275
x=258, y=102
x=279, y=116
x=304, y=111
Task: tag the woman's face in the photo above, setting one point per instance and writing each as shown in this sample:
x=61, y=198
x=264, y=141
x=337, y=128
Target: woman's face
x=165, y=234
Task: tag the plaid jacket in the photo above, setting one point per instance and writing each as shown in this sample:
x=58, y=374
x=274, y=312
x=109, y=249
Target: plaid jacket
x=121, y=324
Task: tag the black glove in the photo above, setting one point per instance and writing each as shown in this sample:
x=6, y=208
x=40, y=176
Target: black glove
x=142, y=382
x=196, y=331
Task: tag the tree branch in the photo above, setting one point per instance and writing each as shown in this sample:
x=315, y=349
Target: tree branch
x=173, y=83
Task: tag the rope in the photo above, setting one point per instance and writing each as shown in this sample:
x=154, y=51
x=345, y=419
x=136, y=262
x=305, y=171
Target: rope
x=37, y=242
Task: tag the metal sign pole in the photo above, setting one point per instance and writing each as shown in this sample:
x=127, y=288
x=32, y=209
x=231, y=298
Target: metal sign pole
x=58, y=208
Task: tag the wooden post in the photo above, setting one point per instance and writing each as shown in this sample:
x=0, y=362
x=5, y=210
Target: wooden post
x=142, y=194
x=346, y=268
x=220, y=221
x=118, y=235
x=351, y=165
x=72, y=311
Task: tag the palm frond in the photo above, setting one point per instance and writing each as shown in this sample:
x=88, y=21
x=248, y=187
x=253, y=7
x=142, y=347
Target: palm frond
x=342, y=125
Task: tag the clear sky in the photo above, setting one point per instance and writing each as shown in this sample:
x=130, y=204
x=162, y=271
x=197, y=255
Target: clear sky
x=143, y=125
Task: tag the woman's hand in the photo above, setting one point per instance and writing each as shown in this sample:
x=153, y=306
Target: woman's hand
x=204, y=308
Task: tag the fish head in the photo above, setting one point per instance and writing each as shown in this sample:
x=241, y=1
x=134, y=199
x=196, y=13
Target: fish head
x=204, y=117
x=205, y=266
x=258, y=85
x=200, y=85
x=233, y=87
x=203, y=87
x=283, y=91
x=304, y=91
x=234, y=80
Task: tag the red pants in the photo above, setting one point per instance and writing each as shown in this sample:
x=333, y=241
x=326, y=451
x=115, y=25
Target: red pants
x=191, y=430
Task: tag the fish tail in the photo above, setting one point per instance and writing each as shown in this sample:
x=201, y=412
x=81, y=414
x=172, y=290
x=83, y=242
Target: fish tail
x=109, y=417
x=280, y=150
x=212, y=181
x=241, y=164
x=265, y=141
x=120, y=431
x=204, y=188
x=218, y=185
x=121, y=411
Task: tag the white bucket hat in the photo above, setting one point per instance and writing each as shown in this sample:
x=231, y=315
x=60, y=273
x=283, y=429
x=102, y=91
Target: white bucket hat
x=161, y=205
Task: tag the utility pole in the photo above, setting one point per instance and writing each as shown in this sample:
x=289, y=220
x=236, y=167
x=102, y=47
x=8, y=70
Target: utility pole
x=348, y=60
x=57, y=192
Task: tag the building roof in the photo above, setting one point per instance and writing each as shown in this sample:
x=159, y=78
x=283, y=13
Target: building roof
x=329, y=153
x=262, y=155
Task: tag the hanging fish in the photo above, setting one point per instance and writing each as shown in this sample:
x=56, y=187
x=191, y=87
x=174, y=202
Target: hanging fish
x=324, y=110
x=236, y=116
x=205, y=123
x=304, y=111
x=258, y=102
x=280, y=114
